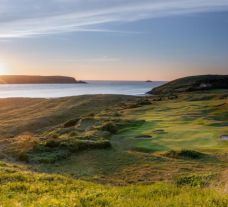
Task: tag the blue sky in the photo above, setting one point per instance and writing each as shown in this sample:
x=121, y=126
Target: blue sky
x=115, y=39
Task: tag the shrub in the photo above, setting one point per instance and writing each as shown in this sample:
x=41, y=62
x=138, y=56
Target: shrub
x=52, y=144
x=191, y=154
x=54, y=151
x=194, y=180
x=110, y=127
x=23, y=157
x=71, y=123
x=49, y=156
x=81, y=145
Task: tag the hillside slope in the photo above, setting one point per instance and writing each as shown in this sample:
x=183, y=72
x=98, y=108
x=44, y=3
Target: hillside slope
x=193, y=83
x=19, y=115
x=111, y=150
x=28, y=189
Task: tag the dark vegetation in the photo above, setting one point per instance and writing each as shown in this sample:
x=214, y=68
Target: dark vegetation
x=143, y=136
x=195, y=180
x=71, y=123
x=53, y=151
x=186, y=154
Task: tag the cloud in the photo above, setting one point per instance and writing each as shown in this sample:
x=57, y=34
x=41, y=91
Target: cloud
x=104, y=59
x=24, y=18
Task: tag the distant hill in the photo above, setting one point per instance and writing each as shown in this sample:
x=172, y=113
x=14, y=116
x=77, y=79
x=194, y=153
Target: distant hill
x=24, y=79
x=193, y=83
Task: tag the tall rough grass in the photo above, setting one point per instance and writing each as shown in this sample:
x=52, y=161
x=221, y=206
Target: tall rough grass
x=24, y=188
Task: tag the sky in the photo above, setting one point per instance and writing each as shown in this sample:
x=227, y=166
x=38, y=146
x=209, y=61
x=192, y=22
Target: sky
x=114, y=39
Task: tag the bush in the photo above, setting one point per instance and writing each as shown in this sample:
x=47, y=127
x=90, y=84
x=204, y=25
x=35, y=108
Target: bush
x=71, y=123
x=138, y=104
x=191, y=154
x=194, y=180
x=110, y=127
x=81, y=145
x=23, y=157
x=49, y=156
x=52, y=144
x=54, y=151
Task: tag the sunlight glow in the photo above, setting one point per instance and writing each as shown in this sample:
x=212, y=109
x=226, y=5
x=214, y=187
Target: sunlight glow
x=3, y=68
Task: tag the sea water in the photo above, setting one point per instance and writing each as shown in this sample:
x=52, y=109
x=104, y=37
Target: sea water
x=63, y=90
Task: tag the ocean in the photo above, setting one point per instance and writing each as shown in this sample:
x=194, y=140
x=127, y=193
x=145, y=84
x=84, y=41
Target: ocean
x=137, y=88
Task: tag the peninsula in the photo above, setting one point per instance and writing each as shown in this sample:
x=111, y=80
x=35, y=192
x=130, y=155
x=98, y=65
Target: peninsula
x=192, y=83
x=26, y=79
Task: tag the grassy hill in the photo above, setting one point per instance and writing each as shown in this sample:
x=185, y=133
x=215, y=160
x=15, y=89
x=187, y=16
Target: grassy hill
x=19, y=115
x=193, y=83
x=26, y=79
x=106, y=150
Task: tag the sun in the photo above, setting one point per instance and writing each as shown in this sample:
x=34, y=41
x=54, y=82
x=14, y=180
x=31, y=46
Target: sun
x=3, y=68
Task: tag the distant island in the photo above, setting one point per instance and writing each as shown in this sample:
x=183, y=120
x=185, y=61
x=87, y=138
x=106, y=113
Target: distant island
x=26, y=79
x=148, y=81
x=193, y=83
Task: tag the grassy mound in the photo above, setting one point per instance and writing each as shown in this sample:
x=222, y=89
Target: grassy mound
x=20, y=115
x=53, y=151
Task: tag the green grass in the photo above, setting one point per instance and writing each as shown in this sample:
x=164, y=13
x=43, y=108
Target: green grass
x=20, y=115
x=195, y=180
x=187, y=124
x=53, y=150
x=62, y=138
x=24, y=188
